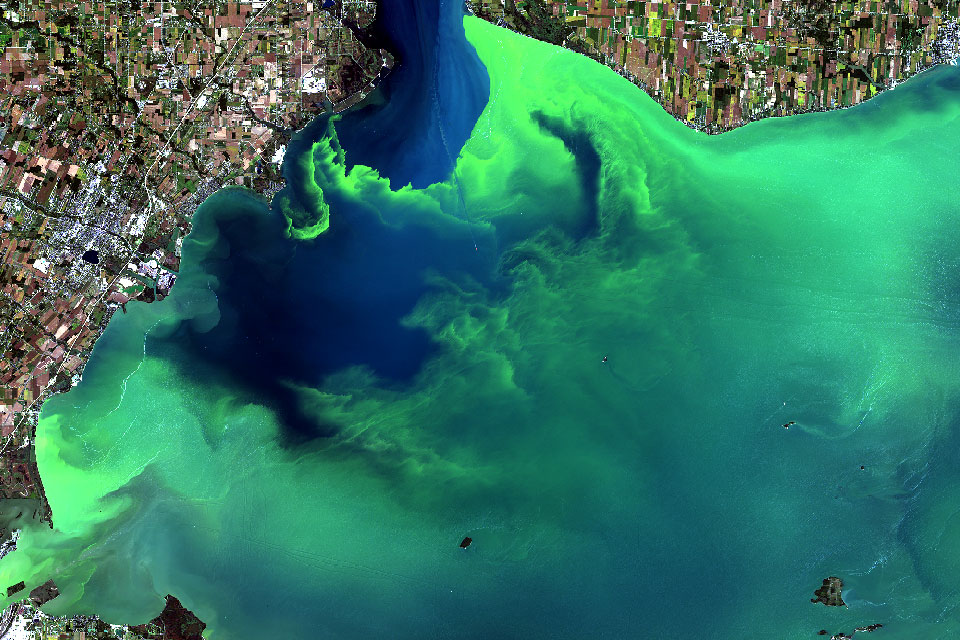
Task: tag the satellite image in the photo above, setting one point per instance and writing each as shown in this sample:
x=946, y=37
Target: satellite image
x=405, y=319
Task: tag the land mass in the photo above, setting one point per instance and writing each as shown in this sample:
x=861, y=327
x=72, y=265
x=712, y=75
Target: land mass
x=716, y=66
x=117, y=120
x=25, y=621
x=830, y=592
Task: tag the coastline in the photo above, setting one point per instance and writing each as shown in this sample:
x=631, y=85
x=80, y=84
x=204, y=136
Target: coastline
x=264, y=191
x=547, y=21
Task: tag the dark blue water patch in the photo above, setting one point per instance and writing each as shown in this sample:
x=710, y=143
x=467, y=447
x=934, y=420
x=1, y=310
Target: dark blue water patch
x=412, y=128
x=295, y=312
x=91, y=256
x=588, y=164
x=940, y=87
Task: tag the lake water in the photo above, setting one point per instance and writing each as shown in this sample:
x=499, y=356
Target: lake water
x=343, y=386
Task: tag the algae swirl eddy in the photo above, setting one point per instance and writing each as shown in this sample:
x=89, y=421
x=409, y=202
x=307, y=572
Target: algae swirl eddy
x=406, y=352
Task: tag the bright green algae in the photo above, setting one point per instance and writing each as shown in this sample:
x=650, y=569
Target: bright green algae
x=799, y=269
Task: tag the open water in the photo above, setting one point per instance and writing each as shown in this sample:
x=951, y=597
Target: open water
x=343, y=386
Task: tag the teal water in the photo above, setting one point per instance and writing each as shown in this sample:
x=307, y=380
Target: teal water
x=296, y=440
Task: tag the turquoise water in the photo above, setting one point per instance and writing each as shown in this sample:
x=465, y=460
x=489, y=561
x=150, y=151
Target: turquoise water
x=296, y=440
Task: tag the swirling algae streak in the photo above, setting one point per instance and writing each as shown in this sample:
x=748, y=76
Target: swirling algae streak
x=801, y=269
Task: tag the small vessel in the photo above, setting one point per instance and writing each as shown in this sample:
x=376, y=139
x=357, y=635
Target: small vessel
x=466, y=542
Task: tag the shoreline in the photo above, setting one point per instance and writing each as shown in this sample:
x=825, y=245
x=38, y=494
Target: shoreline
x=264, y=191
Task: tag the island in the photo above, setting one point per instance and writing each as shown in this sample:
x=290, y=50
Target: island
x=829, y=592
